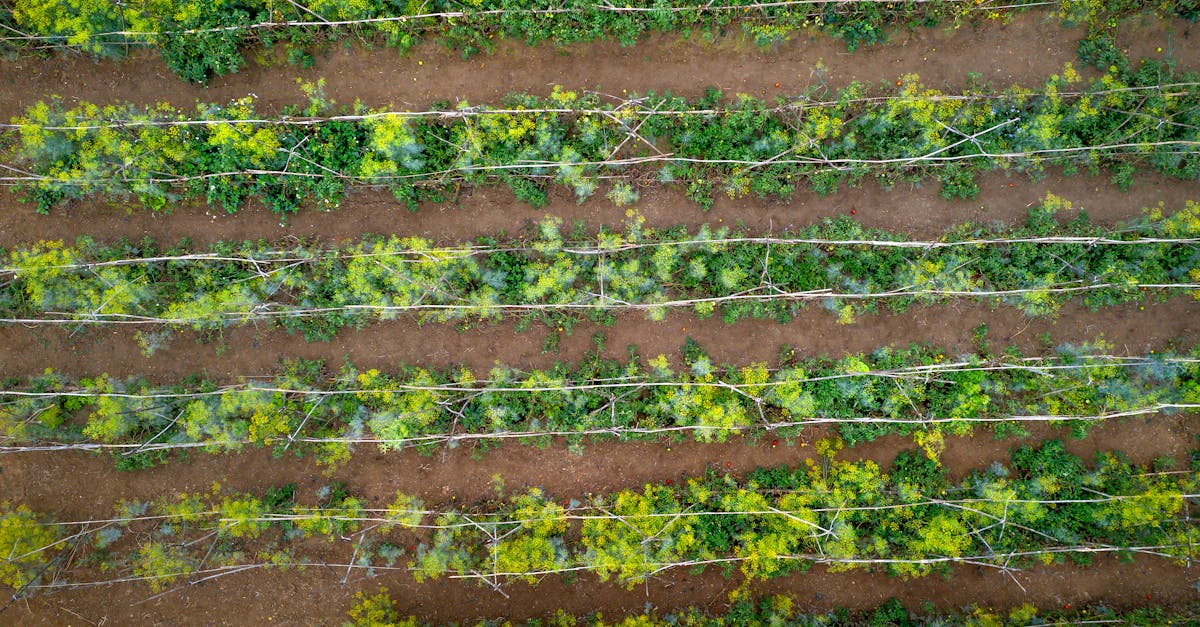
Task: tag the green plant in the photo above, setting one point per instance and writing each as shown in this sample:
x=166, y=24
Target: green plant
x=914, y=392
x=535, y=278
x=909, y=522
x=29, y=545
x=740, y=146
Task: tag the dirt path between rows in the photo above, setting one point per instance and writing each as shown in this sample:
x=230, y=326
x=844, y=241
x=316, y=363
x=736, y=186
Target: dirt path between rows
x=318, y=595
x=82, y=486
x=72, y=485
x=1132, y=328
x=1025, y=51
x=488, y=211
x=685, y=67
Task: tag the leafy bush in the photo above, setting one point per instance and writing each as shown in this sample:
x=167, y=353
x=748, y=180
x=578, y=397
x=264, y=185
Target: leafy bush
x=29, y=546
x=851, y=515
x=415, y=407
x=737, y=147
x=198, y=39
x=535, y=278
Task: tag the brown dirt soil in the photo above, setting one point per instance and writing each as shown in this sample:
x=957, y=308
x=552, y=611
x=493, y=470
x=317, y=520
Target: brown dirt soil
x=1132, y=328
x=92, y=487
x=317, y=595
x=79, y=486
x=1030, y=48
x=918, y=213
x=942, y=57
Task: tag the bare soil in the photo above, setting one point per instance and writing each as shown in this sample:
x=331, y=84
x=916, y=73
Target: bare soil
x=1025, y=51
x=317, y=596
x=1028, y=49
x=1132, y=328
x=459, y=476
x=464, y=475
x=916, y=212
x=77, y=486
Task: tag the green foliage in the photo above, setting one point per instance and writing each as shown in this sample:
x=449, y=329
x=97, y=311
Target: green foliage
x=846, y=513
x=634, y=544
x=909, y=522
x=892, y=612
x=536, y=278
x=338, y=514
x=198, y=39
x=912, y=392
x=1102, y=52
x=379, y=610
x=28, y=546
x=161, y=564
x=76, y=23
x=738, y=145
x=243, y=517
x=141, y=460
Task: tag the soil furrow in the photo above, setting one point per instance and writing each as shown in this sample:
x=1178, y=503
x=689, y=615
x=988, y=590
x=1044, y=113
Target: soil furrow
x=487, y=211
x=1131, y=328
x=83, y=486
x=1028, y=49
x=74, y=486
x=319, y=595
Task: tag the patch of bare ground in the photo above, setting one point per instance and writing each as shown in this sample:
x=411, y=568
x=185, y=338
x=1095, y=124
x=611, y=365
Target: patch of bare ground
x=1025, y=51
x=918, y=212
x=1131, y=328
x=318, y=595
x=431, y=72
x=76, y=486
x=79, y=486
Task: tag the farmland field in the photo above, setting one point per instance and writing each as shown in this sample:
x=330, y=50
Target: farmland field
x=746, y=313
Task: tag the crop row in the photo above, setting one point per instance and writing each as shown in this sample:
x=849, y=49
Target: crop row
x=379, y=610
x=1126, y=120
x=1046, y=506
x=916, y=392
x=849, y=269
x=198, y=39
